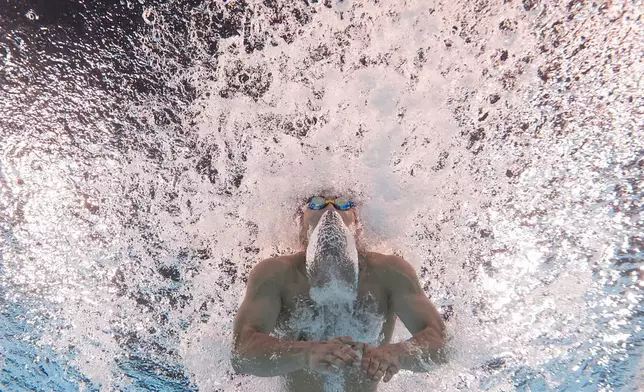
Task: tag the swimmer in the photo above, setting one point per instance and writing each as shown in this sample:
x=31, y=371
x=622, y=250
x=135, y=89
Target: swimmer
x=340, y=280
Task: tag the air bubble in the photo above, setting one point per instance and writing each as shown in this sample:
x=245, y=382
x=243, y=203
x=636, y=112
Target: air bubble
x=149, y=16
x=32, y=15
x=156, y=35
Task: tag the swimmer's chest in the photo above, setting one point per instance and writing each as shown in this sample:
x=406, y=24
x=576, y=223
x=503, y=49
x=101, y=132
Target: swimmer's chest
x=371, y=299
x=369, y=296
x=371, y=292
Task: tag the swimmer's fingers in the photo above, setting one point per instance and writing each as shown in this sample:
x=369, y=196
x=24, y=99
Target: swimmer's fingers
x=348, y=340
x=333, y=360
x=389, y=373
x=355, y=356
x=370, y=367
x=361, y=347
x=340, y=360
x=379, y=372
x=347, y=355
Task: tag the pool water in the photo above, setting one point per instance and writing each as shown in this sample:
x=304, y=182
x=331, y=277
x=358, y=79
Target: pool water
x=153, y=152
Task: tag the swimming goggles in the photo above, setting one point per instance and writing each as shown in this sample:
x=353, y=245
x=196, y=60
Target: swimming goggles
x=341, y=203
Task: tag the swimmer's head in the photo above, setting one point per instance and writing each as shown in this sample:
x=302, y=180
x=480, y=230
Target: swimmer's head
x=309, y=218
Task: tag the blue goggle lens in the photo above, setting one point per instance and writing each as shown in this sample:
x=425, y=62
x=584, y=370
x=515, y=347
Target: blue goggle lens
x=341, y=203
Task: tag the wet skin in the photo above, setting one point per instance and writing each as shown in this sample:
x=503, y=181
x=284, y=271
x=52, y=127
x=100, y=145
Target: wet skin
x=372, y=297
x=279, y=288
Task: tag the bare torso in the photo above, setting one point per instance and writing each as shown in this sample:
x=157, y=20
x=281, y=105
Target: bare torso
x=372, y=320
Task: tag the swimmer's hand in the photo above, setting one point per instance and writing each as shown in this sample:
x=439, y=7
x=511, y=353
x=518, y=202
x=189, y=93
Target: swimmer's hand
x=348, y=340
x=380, y=361
x=331, y=356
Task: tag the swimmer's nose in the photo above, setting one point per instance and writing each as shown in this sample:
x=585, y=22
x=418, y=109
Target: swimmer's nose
x=329, y=206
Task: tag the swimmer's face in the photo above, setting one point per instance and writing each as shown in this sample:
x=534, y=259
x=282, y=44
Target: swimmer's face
x=312, y=217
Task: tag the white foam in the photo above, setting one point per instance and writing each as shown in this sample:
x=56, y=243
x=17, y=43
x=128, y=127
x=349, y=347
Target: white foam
x=331, y=254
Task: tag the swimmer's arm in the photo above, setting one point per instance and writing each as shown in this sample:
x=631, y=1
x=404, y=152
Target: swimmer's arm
x=254, y=351
x=420, y=317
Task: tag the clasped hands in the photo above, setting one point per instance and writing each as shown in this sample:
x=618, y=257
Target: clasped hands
x=344, y=352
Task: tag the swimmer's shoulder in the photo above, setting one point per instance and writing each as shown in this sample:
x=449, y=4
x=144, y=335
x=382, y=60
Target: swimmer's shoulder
x=385, y=264
x=291, y=265
x=273, y=269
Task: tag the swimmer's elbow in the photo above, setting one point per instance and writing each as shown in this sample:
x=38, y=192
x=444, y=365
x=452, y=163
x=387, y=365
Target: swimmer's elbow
x=242, y=363
x=237, y=362
x=439, y=356
x=239, y=355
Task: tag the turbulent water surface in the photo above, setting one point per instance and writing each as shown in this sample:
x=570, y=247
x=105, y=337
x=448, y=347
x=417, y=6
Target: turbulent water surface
x=152, y=152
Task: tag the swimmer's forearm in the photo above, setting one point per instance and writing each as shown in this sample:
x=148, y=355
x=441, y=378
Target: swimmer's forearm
x=423, y=350
x=266, y=356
